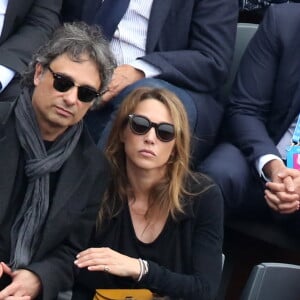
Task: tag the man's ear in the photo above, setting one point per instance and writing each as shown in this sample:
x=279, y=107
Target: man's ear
x=39, y=70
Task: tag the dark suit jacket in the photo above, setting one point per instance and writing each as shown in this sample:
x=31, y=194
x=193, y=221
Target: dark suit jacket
x=266, y=94
x=27, y=25
x=73, y=208
x=190, y=41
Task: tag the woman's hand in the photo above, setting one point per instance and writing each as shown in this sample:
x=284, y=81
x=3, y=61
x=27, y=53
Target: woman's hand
x=108, y=260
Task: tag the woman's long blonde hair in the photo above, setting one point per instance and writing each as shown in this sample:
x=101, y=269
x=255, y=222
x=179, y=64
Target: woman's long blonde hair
x=168, y=193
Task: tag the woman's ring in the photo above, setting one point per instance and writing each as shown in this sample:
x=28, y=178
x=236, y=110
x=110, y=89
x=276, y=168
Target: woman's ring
x=106, y=269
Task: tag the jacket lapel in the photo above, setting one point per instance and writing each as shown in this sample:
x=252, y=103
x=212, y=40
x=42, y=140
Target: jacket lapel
x=158, y=15
x=9, y=18
x=9, y=157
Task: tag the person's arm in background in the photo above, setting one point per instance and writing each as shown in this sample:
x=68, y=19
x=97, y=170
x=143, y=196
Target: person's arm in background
x=192, y=53
x=201, y=60
x=252, y=94
x=34, y=22
x=249, y=109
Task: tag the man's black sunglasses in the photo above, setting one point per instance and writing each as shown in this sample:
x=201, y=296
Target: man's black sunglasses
x=141, y=125
x=63, y=83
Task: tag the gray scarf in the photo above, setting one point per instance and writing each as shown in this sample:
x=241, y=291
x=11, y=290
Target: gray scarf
x=27, y=228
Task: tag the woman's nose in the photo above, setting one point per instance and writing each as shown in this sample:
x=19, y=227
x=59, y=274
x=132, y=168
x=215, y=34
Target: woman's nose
x=150, y=136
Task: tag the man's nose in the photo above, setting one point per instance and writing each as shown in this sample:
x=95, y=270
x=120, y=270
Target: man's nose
x=71, y=96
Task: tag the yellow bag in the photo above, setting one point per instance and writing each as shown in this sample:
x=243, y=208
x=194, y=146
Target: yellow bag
x=123, y=294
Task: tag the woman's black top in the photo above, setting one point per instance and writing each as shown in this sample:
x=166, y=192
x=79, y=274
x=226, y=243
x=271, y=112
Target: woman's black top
x=185, y=260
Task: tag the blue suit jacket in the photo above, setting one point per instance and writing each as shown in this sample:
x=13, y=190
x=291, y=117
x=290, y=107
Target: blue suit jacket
x=266, y=94
x=190, y=41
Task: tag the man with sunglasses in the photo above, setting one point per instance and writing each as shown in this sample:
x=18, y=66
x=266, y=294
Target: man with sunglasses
x=52, y=176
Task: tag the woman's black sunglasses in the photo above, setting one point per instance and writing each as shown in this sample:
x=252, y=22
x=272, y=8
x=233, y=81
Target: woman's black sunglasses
x=63, y=83
x=141, y=125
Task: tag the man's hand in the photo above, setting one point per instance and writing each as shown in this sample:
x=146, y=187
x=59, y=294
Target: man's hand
x=123, y=76
x=283, y=191
x=281, y=200
x=25, y=285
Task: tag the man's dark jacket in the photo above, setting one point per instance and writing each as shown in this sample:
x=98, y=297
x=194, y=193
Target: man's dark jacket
x=73, y=210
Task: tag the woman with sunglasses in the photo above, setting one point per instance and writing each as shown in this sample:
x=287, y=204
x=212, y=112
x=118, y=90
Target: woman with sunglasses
x=160, y=227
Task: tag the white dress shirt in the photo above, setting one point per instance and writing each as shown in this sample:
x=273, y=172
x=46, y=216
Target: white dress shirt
x=129, y=40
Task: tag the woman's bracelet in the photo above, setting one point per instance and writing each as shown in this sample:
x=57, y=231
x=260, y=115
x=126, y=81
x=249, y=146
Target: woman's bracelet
x=144, y=268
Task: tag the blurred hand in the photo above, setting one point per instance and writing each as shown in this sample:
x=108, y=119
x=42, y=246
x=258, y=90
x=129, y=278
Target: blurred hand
x=108, y=260
x=25, y=285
